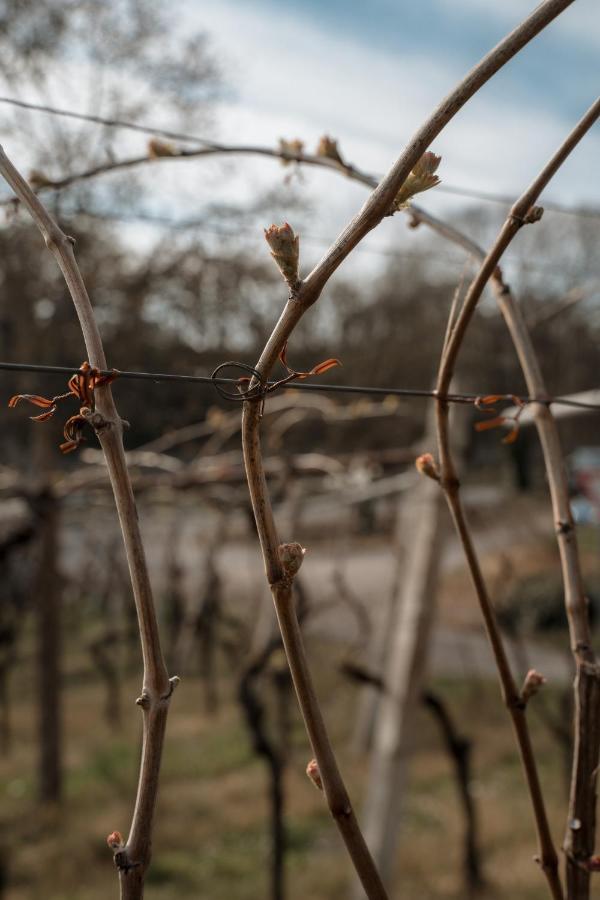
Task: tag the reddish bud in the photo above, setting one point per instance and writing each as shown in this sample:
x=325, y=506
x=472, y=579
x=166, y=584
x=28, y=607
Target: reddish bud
x=115, y=840
x=325, y=366
x=512, y=436
x=481, y=402
x=532, y=684
x=312, y=770
x=426, y=465
x=44, y=402
x=490, y=423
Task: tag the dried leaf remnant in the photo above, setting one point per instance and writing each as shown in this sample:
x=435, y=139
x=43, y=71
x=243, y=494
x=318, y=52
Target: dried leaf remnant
x=485, y=405
x=81, y=385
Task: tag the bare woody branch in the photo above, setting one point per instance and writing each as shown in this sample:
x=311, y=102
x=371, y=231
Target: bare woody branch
x=580, y=840
x=133, y=856
x=580, y=835
x=41, y=183
x=380, y=201
x=282, y=560
x=542, y=16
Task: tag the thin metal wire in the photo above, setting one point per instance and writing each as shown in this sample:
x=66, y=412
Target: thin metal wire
x=110, y=123
x=217, y=380
x=484, y=196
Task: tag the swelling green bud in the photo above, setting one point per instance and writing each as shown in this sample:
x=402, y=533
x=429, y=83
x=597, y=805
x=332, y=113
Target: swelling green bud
x=420, y=179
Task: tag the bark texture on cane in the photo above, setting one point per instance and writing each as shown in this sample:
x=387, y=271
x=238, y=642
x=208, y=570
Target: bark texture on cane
x=133, y=859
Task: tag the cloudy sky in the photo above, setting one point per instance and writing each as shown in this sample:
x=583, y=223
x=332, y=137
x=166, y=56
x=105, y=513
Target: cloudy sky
x=368, y=73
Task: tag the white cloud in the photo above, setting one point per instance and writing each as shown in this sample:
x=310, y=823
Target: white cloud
x=318, y=81
x=296, y=81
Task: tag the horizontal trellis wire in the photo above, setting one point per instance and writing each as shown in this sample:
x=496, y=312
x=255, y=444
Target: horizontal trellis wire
x=302, y=385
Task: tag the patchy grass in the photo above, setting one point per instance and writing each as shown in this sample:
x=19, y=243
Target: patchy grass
x=212, y=828
x=212, y=837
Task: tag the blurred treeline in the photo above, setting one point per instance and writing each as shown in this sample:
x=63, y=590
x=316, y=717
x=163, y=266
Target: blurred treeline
x=178, y=308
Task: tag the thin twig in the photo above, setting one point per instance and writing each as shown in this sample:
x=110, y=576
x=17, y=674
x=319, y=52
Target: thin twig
x=133, y=858
x=578, y=618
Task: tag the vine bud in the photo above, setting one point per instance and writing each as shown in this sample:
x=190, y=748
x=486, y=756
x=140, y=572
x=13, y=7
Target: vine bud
x=426, y=465
x=312, y=770
x=38, y=180
x=291, y=557
x=294, y=147
x=285, y=250
x=420, y=179
x=161, y=148
x=115, y=841
x=328, y=148
x=534, y=214
x=532, y=684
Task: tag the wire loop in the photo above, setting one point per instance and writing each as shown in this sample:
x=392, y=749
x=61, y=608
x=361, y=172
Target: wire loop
x=254, y=391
